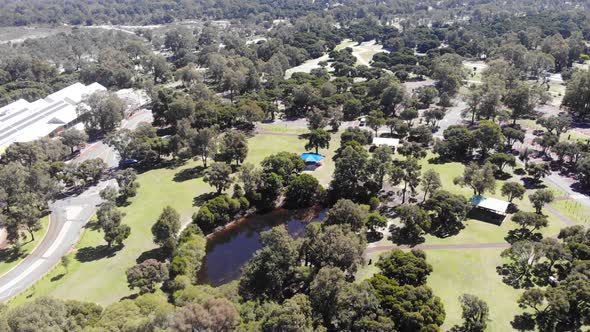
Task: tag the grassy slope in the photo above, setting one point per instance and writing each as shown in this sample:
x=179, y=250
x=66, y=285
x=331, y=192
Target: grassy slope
x=7, y=262
x=103, y=279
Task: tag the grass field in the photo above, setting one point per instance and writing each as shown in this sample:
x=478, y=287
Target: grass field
x=8, y=261
x=97, y=276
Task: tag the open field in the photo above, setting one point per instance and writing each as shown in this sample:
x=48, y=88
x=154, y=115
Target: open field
x=363, y=52
x=98, y=275
x=7, y=262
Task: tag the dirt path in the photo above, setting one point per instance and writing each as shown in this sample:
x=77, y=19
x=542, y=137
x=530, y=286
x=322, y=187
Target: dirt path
x=560, y=215
x=439, y=246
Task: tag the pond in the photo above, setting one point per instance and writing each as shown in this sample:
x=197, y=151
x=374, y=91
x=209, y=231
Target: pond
x=230, y=249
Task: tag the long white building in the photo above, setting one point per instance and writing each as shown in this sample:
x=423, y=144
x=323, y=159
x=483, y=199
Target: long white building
x=22, y=121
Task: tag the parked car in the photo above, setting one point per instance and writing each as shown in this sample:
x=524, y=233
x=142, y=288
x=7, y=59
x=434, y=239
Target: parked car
x=127, y=163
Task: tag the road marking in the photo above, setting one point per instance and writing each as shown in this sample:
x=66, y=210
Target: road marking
x=58, y=240
x=23, y=275
x=578, y=196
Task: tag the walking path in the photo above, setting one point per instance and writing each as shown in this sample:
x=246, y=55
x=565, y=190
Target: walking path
x=439, y=246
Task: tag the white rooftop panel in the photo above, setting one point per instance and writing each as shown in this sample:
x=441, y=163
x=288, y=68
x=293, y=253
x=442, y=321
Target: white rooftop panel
x=378, y=141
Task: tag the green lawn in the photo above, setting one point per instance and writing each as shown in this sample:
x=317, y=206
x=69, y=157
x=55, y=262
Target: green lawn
x=458, y=272
x=573, y=210
x=99, y=277
x=8, y=261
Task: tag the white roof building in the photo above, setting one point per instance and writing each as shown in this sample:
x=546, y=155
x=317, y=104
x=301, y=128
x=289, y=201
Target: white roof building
x=22, y=121
x=494, y=205
x=380, y=141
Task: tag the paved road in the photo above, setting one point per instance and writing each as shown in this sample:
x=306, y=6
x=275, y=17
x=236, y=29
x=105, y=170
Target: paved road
x=67, y=220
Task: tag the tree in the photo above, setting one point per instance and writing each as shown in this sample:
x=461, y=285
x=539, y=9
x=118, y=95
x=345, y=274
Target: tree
x=90, y=170
x=513, y=190
x=336, y=246
x=189, y=253
x=546, y=141
x=74, y=138
x=541, y=197
x=324, y=290
x=165, y=229
x=49, y=314
x=529, y=222
x=577, y=96
x=416, y=222
x=430, y=183
x=447, y=212
x=411, y=308
x=294, y=315
x=457, y=144
x=109, y=194
x=513, y=135
x=375, y=221
x=520, y=100
x=109, y=220
x=479, y=178
x=303, y=191
x=284, y=164
x=267, y=274
x=407, y=172
x=126, y=179
x=523, y=256
x=501, y=160
x=219, y=176
x=101, y=112
x=146, y=275
x=448, y=73
x=268, y=192
x=537, y=171
x=346, y=212
x=215, y=314
x=407, y=268
x=375, y=120
x=488, y=136
x=556, y=124
x=203, y=144
x=350, y=174
x=583, y=169
x=234, y=146
x=318, y=138
x=315, y=119
x=475, y=314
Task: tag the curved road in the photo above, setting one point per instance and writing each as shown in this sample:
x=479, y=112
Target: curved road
x=67, y=220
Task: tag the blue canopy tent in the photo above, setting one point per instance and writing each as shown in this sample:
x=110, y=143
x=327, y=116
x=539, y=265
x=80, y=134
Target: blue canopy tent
x=312, y=158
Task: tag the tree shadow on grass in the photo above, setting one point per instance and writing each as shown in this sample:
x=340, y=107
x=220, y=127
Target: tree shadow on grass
x=11, y=254
x=89, y=254
x=201, y=199
x=130, y=297
x=57, y=277
x=189, y=174
x=156, y=253
x=92, y=225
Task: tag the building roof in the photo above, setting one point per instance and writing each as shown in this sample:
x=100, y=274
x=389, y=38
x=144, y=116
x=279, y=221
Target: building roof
x=379, y=141
x=310, y=157
x=492, y=204
x=22, y=121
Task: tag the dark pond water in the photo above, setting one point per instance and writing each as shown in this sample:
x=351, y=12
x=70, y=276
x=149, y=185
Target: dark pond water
x=230, y=249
